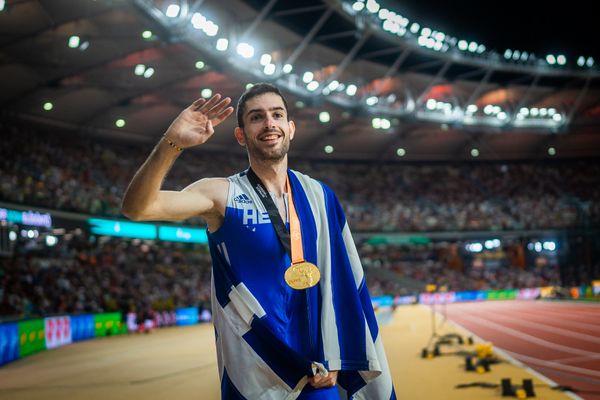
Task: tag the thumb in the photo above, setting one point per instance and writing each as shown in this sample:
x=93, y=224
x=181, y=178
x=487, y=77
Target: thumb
x=209, y=127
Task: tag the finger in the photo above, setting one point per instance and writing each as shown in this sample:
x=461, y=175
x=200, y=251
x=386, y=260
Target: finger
x=209, y=128
x=198, y=103
x=218, y=108
x=221, y=117
x=210, y=103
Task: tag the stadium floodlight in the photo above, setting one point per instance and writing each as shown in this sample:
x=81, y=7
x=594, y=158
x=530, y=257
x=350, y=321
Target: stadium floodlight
x=2, y=5
x=543, y=112
x=198, y=21
x=400, y=152
x=557, y=117
x=520, y=117
x=463, y=45
x=426, y=32
x=440, y=36
x=324, y=117
x=312, y=86
x=524, y=111
x=269, y=69
x=74, y=42
x=551, y=112
x=120, y=123
x=438, y=46
x=508, y=54
x=480, y=49
x=534, y=112
x=471, y=108
x=371, y=101
x=501, y=116
x=431, y=104
x=139, y=69
x=516, y=55
x=414, y=28
x=422, y=41
x=590, y=62
x=549, y=245
x=333, y=85
x=206, y=93
x=351, y=90
x=48, y=106
x=358, y=6
x=51, y=240
x=148, y=72
x=524, y=56
x=550, y=59
x=328, y=149
x=551, y=151
x=376, y=123
x=308, y=77
x=200, y=64
x=287, y=68
x=474, y=152
x=172, y=10
x=265, y=59
x=211, y=29
x=537, y=246
x=147, y=34
x=489, y=244
x=245, y=50
x=222, y=44
x=561, y=59
x=372, y=6
x=581, y=61
x=326, y=91
x=249, y=86
x=489, y=109
x=473, y=47
x=385, y=123
x=383, y=13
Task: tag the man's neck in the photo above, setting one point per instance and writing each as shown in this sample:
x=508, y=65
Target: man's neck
x=272, y=174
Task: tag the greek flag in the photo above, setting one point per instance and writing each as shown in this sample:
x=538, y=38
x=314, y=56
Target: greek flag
x=256, y=361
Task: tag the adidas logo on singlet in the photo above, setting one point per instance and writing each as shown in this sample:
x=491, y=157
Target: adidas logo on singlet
x=242, y=198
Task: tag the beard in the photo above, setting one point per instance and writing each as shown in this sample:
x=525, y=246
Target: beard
x=270, y=154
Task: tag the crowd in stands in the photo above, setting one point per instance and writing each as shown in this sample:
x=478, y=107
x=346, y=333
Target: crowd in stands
x=84, y=273
x=74, y=173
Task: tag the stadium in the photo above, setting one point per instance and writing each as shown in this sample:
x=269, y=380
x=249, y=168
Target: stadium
x=462, y=143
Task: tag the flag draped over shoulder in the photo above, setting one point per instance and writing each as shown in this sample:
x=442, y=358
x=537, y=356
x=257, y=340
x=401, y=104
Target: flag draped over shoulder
x=255, y=362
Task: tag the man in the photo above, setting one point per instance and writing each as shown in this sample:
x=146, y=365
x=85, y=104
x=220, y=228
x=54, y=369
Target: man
x=282, y=332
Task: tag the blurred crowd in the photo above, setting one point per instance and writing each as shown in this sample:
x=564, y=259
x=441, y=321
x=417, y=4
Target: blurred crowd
x=77, y=174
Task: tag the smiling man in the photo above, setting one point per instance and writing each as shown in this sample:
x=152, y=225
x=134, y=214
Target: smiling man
x=292, y=314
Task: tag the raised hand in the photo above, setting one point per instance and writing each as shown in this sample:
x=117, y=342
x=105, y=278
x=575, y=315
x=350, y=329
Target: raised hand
x=195, y=125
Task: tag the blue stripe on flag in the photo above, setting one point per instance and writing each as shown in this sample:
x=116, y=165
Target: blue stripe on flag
x=367, y=305
x=228, y=389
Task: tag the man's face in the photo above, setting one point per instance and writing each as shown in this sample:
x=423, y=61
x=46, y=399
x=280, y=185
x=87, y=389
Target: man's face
x=267, y=132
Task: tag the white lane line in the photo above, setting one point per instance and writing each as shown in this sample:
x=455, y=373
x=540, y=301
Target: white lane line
x=554, y=365
x=577, y=359
x=529, y=338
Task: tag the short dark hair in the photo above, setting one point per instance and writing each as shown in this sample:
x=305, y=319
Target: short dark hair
x=254, y=91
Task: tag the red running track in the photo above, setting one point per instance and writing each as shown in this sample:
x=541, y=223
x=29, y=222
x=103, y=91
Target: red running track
x=560, y=340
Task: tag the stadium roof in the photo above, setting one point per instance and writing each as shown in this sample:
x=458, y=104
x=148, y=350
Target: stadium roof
x=124, y=69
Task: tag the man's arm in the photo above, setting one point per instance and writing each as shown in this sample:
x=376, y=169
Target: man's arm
x=143, y=199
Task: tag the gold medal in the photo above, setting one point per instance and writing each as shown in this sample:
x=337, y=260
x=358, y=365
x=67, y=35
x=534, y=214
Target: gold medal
x=302, y=275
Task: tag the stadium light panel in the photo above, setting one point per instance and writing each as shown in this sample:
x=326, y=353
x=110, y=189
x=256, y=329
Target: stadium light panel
x=328, y=149
x=358, y=6
x=551, y=111
x=440, y=36
x=222, y=44
x=550, y=59
x=147, y=34
x=474, y=152
x=74, y=42
x=200, y=64
x=534, y=112
x=148, y=72
x=51, y=240
x=543, y=112
x=287, y=68
x=422, y=41
x=376, y=123
x=371, y=101
x=312, y=86
x=139, y=69
x=249, y=85
x=537, y=246
x=383, y=13
x=269, y=69
x=502, y=116
x=172, y=10
x=561, y=59
x=508, y=53
x=414, y=28
x=245, y=50
x=372, y=6
x=463, y=45
x=206, y=93
x=516, y=55
x=489, y=109
x=438, y=46
x=557, y=117
x=472, y=108
x=48, y=106
x=551, y=151
x=400, y=152
x=431, y=104
x=324, y=117
x=308, y=77
x=2, y=5
x=581, y=61
x=473, y=47
x=480, y=49
x=120, y=123
x=211, y=29
x=351, y=90
x=590, y=62
x=333, y=85
x=265, y=59
x=524, y=111
x=385, y=123
x=426, y=31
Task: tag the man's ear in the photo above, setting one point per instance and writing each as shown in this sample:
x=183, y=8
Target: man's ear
x=239, y=136
x=292, y=129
